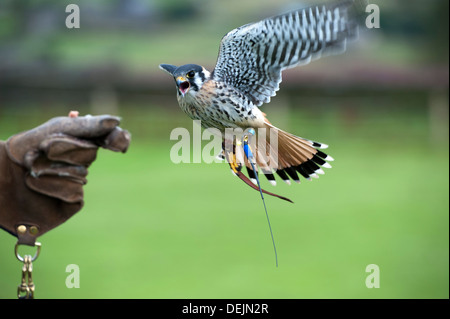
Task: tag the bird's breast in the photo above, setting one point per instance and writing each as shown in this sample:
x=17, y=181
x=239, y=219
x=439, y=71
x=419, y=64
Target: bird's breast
x=220, y=106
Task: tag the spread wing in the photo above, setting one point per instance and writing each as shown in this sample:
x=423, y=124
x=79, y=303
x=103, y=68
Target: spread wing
x=252, y=57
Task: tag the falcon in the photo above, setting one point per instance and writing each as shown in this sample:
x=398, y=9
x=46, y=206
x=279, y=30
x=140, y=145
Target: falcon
x=248, y=73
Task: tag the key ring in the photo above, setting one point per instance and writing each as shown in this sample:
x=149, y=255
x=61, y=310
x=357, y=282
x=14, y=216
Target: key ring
x=22, y=259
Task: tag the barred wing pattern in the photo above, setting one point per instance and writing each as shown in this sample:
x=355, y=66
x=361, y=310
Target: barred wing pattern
x=252, y=57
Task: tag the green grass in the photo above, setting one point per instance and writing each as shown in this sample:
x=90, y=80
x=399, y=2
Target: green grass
x=154, y=229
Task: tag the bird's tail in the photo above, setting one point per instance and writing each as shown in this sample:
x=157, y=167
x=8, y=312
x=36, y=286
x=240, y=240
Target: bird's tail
x=281, y=153
x=295, y=156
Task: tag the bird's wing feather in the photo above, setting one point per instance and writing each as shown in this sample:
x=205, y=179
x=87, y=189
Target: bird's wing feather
x=252, y=57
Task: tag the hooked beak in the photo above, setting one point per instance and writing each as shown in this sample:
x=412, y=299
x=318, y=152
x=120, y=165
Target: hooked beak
x=183, y=85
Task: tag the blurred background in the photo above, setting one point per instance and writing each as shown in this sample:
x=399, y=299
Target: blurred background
x=154, y=229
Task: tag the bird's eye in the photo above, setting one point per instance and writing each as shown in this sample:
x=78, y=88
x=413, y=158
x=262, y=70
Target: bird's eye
x=190, y=74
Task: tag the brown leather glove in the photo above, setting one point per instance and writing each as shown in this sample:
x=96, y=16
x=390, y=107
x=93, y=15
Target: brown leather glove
x=42, y=171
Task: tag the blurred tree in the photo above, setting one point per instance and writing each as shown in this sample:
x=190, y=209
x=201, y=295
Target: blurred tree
x=176, y=9
x=416, y=20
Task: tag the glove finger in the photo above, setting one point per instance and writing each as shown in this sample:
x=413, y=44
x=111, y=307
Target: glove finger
x=57, y=179
x=89, y=127
x=118, y=140
x=70, y=150
x=62, y=188
x=82, y=126
x=43, y=166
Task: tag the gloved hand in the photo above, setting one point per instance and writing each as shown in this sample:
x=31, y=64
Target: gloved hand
x=42, y=171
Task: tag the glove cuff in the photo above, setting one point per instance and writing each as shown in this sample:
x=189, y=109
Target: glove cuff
x=25, y=213
x=10, y=218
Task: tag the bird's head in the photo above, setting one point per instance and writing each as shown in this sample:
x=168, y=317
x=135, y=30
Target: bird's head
x=189, y=78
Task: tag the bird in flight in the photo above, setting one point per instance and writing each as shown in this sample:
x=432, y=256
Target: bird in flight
x=248, y=73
